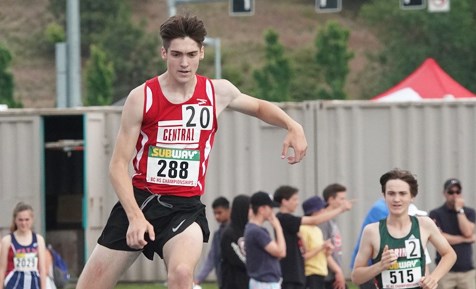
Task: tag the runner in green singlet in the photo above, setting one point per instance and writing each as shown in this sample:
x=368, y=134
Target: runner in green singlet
x=396, y=245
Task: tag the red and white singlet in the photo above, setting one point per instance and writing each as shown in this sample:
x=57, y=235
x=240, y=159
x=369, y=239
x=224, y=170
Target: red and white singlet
x=22, y=266
x=175, y=141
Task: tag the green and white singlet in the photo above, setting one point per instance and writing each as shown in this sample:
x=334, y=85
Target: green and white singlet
x=407, y=271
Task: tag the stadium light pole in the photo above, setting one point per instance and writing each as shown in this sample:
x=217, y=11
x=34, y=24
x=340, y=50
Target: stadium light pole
x=73, y=53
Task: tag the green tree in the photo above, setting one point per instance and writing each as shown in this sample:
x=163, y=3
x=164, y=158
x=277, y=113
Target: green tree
x=333, y=57
x=94, y=18
x=274, y=79
x=412, y=36
x=306, y=86
x=54, y=33
x=108, y=24
x=6, y=79
x=134, y=52
x=99, y=78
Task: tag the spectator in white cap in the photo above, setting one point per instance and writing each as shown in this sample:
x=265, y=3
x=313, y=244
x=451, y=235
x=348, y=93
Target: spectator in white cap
x=456, y=222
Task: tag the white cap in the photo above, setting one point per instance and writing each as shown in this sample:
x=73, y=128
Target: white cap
x=414, y=211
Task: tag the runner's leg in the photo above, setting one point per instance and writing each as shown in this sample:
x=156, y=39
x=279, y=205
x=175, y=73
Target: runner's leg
x=104, y=268
x=181, y=255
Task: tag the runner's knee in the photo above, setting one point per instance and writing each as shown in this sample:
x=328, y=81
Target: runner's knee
x=182, y=273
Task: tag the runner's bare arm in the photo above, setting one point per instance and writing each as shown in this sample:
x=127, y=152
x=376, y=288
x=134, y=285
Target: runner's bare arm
x=5, y=245
x=448, y=256
x=369, y=245
x=229, y=96
x=119, y=168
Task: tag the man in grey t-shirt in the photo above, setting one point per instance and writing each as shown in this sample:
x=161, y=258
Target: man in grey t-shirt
x=334, y=195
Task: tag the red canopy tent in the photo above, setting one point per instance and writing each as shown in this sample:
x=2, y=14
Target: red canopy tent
x=429, y=81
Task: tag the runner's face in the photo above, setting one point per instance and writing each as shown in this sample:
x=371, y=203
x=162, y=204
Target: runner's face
x=398, y=197
x=182, y=57
x=24, y=220
x=222, y=215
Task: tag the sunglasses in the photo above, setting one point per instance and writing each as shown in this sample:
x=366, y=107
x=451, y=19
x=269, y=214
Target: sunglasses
x=452, y=192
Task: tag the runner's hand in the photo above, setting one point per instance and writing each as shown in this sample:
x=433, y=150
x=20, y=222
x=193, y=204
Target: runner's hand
x=136, y=231
x=388, y=258
x=296, y=140
x=427, y=282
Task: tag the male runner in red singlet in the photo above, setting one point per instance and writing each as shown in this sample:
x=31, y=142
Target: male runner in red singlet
x=167, y=128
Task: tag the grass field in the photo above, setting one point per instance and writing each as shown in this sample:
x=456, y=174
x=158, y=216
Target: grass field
x=162, y=286
x=157, y=286
x=149, y=285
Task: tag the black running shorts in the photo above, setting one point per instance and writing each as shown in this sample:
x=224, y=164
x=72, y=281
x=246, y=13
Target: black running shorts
x=170, y=215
